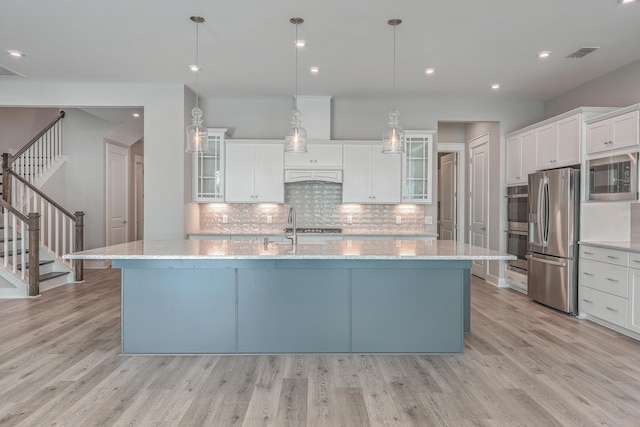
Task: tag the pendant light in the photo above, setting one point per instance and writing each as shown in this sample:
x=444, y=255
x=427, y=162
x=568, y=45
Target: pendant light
x=296, y=139
x=197, y=136
x=393, y=137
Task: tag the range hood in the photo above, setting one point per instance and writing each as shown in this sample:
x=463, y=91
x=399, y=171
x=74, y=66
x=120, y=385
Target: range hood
x=316, y=119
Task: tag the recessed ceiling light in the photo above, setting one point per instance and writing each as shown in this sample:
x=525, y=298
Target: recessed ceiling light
x=301, y=43
x=136, y=114
x=314, y=70
x=495, y=86
x=16, y=53
x=194, y=68
x=544, y=54
x=626, y=1
x=429, y=71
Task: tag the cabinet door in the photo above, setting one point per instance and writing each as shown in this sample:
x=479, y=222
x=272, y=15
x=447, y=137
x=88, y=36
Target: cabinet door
x=269, y=173
x=207, y=171
x=545, y=146
x=239, y=173
x=417, y=177
x=624, y=130
x=299, y=160
x=568, y=141
x=528, y=156
x=634, y=300
x=386, y=177
x=356, y=187
x=514, y=160
x=327, y=155
x=598, y=136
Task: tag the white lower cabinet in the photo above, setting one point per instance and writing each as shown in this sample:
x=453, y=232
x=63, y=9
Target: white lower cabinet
x=634, y=293
x=517, y=281
x=609, y=287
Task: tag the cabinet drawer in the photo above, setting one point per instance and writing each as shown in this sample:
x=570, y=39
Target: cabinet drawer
x=607, y=307
x=610, y=256
x=609, y=278
x=634, y=260
x=515, y=278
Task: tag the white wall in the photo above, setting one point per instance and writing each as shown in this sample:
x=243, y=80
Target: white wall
x=164, y=127
x=618, y=88
x=19, y=125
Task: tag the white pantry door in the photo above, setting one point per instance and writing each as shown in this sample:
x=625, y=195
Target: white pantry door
x=117, y=194
x=478, y=198
x=448, y=199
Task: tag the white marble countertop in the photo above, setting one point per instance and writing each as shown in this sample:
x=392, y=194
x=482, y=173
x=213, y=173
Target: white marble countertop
x=344, y=234
x=619, y=245
x=253, y=249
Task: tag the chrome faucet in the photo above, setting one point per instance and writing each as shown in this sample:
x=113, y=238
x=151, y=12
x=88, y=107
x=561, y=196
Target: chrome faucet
x=291, y=219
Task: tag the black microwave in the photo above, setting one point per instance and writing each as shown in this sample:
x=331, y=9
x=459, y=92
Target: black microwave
x=613, y=178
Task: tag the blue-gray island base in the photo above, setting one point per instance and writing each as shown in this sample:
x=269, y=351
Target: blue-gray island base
x=308, y=300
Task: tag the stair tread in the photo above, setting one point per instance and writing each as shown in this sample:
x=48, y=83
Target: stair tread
x=42, y=262
x=52, y=275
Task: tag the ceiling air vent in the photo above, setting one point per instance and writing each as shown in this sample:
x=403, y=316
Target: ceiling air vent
x=583, y=51
x=6, y=72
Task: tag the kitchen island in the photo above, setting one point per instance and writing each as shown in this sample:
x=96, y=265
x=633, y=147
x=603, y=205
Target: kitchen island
x=361, y=296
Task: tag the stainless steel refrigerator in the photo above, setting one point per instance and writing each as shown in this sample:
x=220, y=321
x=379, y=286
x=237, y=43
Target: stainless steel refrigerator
x=552, y=251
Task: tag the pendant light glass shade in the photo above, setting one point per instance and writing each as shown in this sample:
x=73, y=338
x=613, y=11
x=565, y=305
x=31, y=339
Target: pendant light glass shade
x=197, y=135
x=296, y=139
x=393, y=137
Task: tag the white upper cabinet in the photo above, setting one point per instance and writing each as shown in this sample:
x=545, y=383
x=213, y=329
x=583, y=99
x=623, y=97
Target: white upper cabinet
x=613, y=133
x=520, y=158
x=254, y=172
x=558, y=143
x=208, y=169
x=318, y=156
x=417, y=177
x=370, y=176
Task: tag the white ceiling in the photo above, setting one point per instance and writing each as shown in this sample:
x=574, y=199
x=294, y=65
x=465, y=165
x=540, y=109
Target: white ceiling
x=246, y=46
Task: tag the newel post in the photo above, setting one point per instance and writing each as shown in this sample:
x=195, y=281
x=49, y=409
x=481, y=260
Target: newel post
x=6, y=177
x=78, y=264
x=34, y=253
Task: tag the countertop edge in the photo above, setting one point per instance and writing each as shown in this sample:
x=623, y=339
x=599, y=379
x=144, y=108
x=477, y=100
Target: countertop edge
x=616, y=245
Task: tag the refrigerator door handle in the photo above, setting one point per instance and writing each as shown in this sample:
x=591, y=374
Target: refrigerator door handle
x=547, y=261
x=545, y=212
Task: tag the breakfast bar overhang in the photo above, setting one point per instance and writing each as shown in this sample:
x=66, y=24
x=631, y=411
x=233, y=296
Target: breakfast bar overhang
x=360, y=296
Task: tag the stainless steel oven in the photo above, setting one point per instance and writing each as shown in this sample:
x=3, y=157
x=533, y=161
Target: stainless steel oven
x=517, y=226
x=614, y=177
x=517, y=241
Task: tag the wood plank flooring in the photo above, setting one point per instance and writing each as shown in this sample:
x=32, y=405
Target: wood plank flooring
x=523, y=364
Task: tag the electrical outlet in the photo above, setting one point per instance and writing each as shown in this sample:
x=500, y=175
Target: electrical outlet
x=398, y=219
x=349, y=219
x=225, y=218
x=428, y=220
x=269, y=219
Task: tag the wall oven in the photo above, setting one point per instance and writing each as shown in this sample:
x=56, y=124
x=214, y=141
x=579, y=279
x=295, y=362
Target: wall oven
x=517, y=226
x=613, y=178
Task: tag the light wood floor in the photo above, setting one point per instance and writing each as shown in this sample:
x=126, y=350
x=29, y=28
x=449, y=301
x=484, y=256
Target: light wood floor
x=523, y=364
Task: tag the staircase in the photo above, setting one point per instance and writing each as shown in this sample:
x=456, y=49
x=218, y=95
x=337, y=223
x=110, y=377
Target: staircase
x=31, y=219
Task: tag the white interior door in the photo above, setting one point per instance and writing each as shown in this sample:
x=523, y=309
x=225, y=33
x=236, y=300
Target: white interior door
x=117, y=194
x=479, y=198
x=138, y=198
x=448, y=193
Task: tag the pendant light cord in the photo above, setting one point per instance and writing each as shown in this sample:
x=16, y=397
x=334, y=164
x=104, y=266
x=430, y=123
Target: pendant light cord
x=394, y=68
x=295, y=45
x=197, y=59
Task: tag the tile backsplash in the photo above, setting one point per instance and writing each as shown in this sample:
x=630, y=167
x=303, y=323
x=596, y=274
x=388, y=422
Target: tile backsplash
x=318, y=204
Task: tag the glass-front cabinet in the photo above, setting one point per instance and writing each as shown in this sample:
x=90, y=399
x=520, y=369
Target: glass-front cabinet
x=208, y=170
x=417, y=177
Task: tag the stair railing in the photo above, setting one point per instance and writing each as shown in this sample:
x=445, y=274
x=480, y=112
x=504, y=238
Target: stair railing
x=61, y=231
x=33, y=160
x=14, y=256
